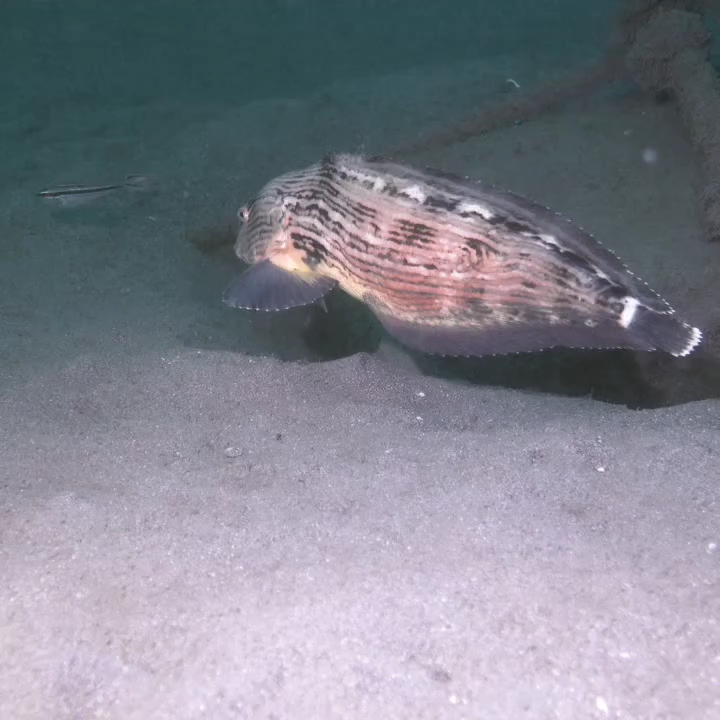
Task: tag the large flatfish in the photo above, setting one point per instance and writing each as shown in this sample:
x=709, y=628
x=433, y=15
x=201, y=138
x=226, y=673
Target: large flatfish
x=449, y=266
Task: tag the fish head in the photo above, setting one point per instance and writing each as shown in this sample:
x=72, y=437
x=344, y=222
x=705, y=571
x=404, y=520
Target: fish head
x=271, y=228
x=286, y=267
x=262, y=226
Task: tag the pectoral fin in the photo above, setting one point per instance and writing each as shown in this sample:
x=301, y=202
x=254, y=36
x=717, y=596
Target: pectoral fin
x=267, y=287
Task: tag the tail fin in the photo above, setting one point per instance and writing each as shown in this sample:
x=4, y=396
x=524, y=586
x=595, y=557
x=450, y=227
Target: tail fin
x=137, y=183
x=659, y=330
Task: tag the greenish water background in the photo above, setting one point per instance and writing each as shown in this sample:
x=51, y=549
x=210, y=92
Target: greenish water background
x=74, y=53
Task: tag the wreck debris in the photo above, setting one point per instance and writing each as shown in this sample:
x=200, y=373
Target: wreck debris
x=671, y=54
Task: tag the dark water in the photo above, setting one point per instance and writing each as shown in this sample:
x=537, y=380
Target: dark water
x=83, y=51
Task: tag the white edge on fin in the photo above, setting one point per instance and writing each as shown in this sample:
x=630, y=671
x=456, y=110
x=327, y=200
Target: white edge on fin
x=696, y=337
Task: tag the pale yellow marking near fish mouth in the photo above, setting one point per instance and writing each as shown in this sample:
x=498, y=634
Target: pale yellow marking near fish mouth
x=292, y=260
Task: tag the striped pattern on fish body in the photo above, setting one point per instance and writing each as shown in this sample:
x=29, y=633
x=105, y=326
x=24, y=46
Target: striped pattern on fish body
x=449, y=266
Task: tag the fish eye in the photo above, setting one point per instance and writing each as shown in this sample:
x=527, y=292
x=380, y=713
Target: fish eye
x=243, y=214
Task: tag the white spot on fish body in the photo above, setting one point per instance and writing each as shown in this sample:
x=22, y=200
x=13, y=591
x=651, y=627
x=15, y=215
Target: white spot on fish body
x=550, y=240
x=472, y=208
x=415, y=192
x=630, y=306
x=375, y=182
x=599, y=273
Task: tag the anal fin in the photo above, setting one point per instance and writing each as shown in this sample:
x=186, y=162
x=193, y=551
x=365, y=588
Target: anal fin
x=528, y=336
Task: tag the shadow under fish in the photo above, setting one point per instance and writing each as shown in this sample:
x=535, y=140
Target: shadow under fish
x=449, y=266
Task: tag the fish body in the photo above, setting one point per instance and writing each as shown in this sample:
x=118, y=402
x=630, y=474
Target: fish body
x=449, y=266
x=66, y=196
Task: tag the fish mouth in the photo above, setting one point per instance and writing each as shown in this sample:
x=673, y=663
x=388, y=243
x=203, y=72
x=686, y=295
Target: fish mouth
x=245, y=253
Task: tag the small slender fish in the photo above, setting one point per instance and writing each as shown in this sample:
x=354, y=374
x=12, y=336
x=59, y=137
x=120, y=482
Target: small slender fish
x=450, y=266
x=67, y=196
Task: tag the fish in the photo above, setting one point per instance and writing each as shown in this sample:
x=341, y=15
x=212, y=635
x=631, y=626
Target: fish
x=67, y=196
x=449, y=265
